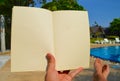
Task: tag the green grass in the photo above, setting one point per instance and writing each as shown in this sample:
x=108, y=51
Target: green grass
x=92, y=40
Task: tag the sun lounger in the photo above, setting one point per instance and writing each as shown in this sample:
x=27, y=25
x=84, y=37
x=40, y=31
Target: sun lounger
x=117, y=40
x=106, y=41
x=97, y=42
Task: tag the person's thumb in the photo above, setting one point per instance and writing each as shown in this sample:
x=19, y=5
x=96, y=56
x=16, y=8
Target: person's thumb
x=50, y=62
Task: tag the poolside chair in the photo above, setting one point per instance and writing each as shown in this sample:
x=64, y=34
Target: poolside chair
x=106, y=41
x=102, y=42
x=117, y=40
x=97, y=42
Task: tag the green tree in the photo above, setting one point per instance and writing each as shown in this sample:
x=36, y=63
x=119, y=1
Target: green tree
x=1, y=1
x=63, y=5
x=7, y=5
x=115, y=27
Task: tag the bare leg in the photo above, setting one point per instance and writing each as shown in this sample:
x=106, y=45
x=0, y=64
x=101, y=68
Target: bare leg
x=101, y=71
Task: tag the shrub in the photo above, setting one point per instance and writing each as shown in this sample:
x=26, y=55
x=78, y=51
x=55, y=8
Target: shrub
x=92, y=40
x=112, y=37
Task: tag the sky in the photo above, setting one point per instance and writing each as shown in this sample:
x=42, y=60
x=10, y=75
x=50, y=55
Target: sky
x=101, y=11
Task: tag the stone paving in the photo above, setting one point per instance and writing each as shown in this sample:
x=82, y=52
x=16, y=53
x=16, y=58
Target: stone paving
x=86, y=75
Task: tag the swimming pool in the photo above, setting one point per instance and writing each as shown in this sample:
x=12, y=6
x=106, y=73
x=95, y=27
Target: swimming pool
x=111, y=53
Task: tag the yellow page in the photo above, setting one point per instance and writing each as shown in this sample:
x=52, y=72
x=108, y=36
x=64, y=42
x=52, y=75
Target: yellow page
x=32, y=38
x=72, y=42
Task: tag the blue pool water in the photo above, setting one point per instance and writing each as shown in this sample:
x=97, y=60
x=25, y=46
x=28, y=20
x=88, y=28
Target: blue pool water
x=111, y=53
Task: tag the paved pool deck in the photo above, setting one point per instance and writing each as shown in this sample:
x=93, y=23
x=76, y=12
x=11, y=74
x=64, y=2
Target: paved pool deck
x=86, y=75
x=4, y=59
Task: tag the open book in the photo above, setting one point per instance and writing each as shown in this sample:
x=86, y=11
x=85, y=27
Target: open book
x=37, y=31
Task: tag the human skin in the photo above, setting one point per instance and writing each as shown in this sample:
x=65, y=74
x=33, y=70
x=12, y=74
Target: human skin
x=101, y=71
x=53, y=75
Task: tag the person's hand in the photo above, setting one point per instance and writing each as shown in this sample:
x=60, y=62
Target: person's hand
x=53, y=75
x=101, y=71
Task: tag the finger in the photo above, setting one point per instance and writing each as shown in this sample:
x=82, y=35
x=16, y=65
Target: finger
x=73, y=73
x=50, y=62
